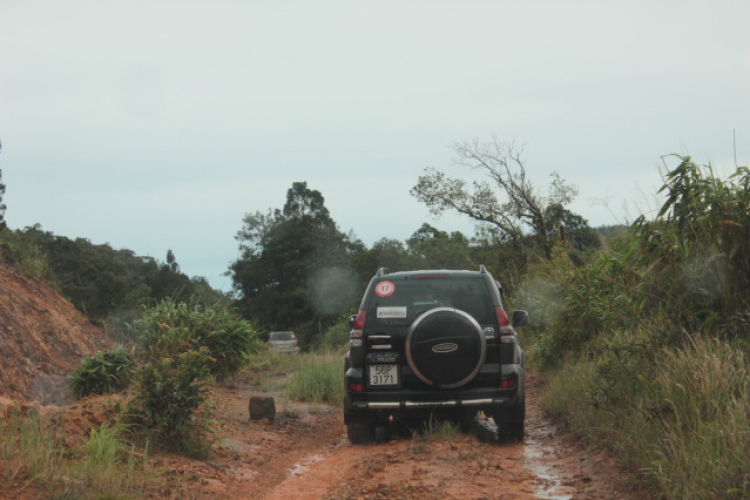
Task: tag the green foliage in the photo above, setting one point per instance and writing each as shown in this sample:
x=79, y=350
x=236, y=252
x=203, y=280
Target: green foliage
x=435, y=428
x=336, y=338
x=509, y=203
x=100, y=281
x=705, y=447
x=32, y=445
x=110, y=463
x=689, y=270
x=171, y=328
x=169, y=392
x=183, y=346
x=103, y=373
x=34, y=448
x=682, y=416
x=697, y=253
x=295, y=267
x=25, y=254
x=318, y=379
x=632, y=334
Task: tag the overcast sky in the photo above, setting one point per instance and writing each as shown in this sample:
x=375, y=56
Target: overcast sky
x=156, y=125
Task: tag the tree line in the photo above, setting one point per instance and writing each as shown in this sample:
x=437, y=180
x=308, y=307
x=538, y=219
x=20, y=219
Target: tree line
x=297, y=270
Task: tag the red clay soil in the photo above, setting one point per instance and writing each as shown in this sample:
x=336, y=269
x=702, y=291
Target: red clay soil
x=41, y=336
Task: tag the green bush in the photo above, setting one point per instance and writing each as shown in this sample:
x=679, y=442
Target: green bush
x=183, y=347
x=169, y=393
x=336, y=338
x=171, y=328
x=103, y=373
x=21, y=251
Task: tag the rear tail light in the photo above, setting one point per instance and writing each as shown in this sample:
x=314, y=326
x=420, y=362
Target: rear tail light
x=358, y=330
x=359, y=323
x=357, y=387
x=502, y=316
x=508, y=383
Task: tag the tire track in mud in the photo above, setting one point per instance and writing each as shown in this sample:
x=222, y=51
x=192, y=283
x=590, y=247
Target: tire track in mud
x=546, y=465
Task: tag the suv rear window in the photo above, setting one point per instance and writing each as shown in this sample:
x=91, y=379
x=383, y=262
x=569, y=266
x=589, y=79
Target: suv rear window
x=410, y=298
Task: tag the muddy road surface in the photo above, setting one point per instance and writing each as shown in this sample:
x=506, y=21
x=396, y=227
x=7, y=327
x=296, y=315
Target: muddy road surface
x=304, y=454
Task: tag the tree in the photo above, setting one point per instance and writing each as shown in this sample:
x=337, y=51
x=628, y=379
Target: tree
x=434, y=249
x=509, y=203
x=292, y=266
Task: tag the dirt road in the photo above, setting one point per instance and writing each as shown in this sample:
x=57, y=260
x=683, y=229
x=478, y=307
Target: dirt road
x=304, y=454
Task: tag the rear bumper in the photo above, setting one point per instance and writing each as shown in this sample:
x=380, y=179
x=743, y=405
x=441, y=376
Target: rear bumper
x=359, y=405
x=419, y=405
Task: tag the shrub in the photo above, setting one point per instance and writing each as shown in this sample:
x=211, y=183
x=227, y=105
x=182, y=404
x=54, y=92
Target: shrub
x=103, y=373
x=21, y=251
x=183, y=346
x=336, y=338
x=168, y=394
x=171, y=328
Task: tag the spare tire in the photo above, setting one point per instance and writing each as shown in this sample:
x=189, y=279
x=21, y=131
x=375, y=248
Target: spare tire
x=445, y=347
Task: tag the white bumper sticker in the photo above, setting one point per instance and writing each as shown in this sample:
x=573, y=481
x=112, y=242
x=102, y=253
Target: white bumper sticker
x=391, y=312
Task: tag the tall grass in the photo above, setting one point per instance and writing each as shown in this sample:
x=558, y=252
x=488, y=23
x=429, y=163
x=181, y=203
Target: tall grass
x=688, y=427
x=705, y=451
x=33, y=448
x=111, y=465
x=319, y=378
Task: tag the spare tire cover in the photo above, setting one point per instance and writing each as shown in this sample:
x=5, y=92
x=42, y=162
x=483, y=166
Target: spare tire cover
x=445, y=347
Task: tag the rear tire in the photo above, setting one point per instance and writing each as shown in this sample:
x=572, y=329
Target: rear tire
x=361, y=433
x=511, y=431
x=510, y=423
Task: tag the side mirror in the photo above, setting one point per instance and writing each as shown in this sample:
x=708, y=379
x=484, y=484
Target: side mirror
x=520, y=318
x=352, y=318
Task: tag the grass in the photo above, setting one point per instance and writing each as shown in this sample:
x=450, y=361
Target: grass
x=106, y=467
x=318, y=379
x=437, y=430
x=31, y=447
x=110, y=463
x=688, y=427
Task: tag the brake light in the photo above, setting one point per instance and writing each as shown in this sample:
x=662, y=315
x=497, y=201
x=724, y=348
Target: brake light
x=429, y=276
x=507, y=384
x=357, y=387
x=502, y=316
x=359, y=323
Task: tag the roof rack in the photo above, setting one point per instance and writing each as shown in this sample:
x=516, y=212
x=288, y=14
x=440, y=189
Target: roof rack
x=383, y=271
x=482, y=269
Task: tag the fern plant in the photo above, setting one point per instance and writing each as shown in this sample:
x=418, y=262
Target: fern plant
x=103, y=373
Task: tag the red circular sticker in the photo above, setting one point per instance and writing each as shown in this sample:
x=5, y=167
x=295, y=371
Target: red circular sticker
x=385, y=289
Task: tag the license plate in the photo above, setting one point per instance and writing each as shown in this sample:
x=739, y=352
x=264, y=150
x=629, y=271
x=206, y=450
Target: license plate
x=383, y=374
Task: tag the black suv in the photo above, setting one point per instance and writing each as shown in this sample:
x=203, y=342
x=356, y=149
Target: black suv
x=434, y=341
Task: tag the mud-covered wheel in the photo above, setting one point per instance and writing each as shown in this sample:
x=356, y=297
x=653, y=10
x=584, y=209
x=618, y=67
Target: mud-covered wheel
x=361, y=433
x=511, y=423
x=511, y=431
x=445, y=347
